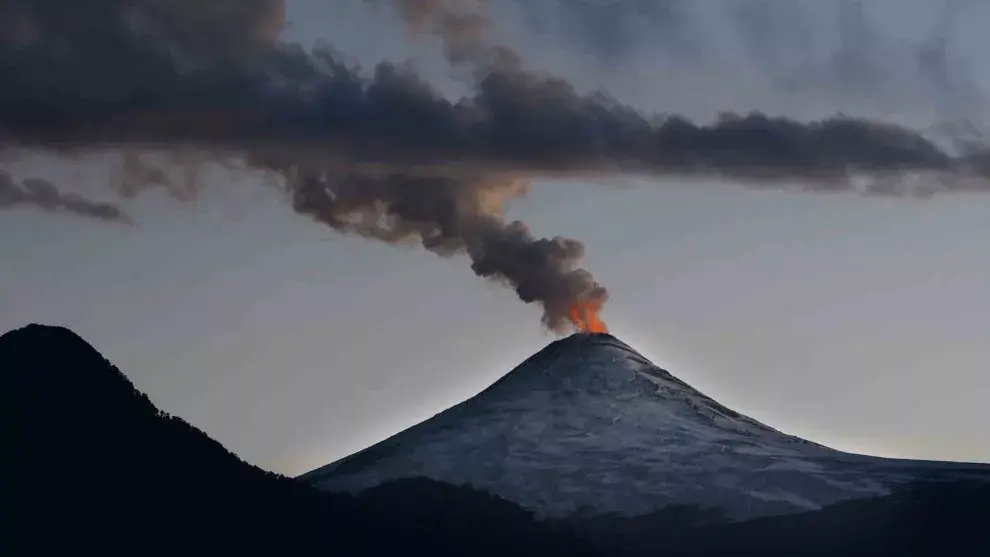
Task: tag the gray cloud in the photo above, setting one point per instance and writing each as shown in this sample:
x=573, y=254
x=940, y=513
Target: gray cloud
x=845, y=50
x=42, y=194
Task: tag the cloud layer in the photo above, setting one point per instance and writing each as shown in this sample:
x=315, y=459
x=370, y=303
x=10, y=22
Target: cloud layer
x=381, y=153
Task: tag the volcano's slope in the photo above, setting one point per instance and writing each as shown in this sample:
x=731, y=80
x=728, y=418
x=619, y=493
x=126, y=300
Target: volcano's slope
x=589, y=427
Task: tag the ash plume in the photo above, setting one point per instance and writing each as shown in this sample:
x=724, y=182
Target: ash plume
x=44, y=195
x=449, y=217
x=385, y=155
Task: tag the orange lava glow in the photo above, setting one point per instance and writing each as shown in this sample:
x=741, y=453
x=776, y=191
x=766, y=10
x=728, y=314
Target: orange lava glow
x=585, y=317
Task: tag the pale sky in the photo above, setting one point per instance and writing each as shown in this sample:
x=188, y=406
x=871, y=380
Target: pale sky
x=857, y=323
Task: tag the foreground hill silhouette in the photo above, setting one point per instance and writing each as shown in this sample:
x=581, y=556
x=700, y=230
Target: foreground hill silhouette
x=91, y=464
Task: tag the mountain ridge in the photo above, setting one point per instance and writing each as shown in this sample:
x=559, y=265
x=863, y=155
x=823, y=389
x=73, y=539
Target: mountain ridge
x=96, y=465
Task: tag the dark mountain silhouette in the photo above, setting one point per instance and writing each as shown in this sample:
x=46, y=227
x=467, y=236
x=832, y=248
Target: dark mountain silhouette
x=91, y=464
x=919, y=519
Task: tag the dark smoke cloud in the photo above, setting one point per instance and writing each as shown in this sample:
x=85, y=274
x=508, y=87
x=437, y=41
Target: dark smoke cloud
x=164, y=87
x=44, y=195
x=386, y=156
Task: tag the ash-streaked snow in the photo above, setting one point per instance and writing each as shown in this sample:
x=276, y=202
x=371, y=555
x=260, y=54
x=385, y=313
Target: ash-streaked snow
x=589, y=426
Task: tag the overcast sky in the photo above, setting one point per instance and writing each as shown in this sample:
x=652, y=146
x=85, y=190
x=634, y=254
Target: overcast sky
x=857, y=323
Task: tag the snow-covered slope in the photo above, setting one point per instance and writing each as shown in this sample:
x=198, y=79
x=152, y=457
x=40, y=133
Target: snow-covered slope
x=588, y=426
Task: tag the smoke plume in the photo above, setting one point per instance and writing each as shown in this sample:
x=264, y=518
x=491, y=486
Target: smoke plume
x=385, y=155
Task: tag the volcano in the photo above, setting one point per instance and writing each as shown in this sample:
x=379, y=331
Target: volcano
x=589, y=427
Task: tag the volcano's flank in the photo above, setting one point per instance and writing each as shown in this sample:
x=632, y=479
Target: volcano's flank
x=588, y=424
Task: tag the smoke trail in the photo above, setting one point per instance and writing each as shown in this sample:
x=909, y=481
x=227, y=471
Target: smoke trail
x=44, y=195
x=312, y=105
x=386, y=156
x=458, y=216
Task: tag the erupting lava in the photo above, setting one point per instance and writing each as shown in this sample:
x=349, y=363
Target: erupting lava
x=585, y=317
